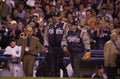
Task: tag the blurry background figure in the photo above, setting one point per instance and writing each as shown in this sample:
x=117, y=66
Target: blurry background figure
x=14, y=65
x=12, y=32
x=100, y=73
x=4, y=9
x=3, y=35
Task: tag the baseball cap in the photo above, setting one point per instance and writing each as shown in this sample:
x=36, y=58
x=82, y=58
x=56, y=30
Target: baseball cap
x=13, y=22
x=100, y=66
x=36, y=14
x=73, y=22
x=56, y=14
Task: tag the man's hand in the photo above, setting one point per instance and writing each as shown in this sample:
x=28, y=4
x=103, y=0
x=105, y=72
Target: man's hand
x=45, y=49
x=65, y=49
x=13, y=57
x=66, y=52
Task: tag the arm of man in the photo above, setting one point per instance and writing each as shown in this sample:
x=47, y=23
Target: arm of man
x=46, y=36
x=64, y=41
x=85, y=39
x=39, y=47
x=106, y=52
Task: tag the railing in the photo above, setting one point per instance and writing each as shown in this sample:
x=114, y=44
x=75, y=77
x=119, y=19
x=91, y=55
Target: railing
x=96, y=55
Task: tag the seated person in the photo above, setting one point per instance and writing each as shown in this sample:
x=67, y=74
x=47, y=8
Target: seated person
x=14, y=64
x=100, y=73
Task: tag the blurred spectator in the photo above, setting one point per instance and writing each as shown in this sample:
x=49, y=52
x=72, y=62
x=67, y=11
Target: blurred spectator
x=21, y=11
x=105, y=13
x=12, y=32
x=47, y=11
x=30, y=3
x=15, y=15
x=27, y=18
x=41, y=16
x=91, y=33
x=3, y=33
x=14, y=65
x=8, y=20
x=38, y=7
x=20, y=28
x=81, y=12
x=116, y=22
x=102, y=35
x=39, y=32
x=100, y=73
x=4, y=9
x=11, y=4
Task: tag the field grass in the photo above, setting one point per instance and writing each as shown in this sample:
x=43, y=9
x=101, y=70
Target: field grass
x=38, y=78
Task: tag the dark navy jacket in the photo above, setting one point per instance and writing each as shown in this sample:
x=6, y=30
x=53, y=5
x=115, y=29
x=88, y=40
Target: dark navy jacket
x=55, y=34
x=74, y=41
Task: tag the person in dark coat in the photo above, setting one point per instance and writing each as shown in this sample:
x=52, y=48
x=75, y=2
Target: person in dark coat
x=52, y=40
x=76, y=42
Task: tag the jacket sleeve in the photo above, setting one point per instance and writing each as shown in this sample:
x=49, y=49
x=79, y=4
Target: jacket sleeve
x=19, y=42
x=46, y=36
x=106, y=52
x=64, y=41
x=39, y=47
x=85, y=39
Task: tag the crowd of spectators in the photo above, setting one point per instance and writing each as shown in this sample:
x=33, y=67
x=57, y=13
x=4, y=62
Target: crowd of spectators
x=98, y=17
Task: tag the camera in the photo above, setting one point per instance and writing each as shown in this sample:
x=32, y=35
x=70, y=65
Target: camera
x=22, y=35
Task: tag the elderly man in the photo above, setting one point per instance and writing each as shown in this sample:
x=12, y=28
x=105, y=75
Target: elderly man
x=76, y=42
x=110, y=54
x=30, y=49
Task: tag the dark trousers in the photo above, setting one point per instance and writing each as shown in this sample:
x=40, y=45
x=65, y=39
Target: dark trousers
x=28, y=64
x=75, y=62
x=111, y=72
x=118, y=64
x=56, y=60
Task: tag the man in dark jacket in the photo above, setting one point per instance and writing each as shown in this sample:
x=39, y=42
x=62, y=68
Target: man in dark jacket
x=76, y=42
x=52, y=40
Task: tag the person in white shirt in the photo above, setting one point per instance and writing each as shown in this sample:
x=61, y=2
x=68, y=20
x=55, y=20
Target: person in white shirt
x=14, y=64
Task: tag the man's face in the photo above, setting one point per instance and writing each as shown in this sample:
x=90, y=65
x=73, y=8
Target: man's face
x=101, y=70
x=29, y=31
x=73, y=27
x=56, y=19
x=114, y=36
x=104, y=12
x=13, y=44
